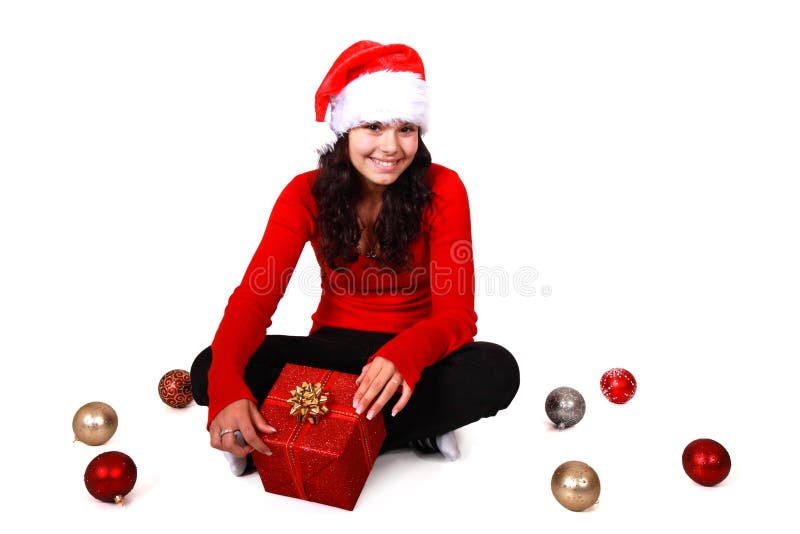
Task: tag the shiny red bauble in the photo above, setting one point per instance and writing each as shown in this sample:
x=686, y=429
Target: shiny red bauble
x=706, y=462
x=175, y=388
x=110, y=476
x=618, y=385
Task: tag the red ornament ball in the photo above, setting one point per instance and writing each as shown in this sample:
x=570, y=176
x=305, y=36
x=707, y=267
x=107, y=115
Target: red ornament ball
x=175, y=388
x=706, y=462
x=110, y=476
x=618, y=385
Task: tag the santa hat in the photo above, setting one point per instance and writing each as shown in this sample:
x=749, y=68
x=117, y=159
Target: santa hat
x=371, y=82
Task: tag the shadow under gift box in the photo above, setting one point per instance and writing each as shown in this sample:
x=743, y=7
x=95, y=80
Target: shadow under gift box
x=327, y=462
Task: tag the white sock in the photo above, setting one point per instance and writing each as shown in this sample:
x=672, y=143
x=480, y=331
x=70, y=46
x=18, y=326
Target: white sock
x=448, y=446
x=236, y=464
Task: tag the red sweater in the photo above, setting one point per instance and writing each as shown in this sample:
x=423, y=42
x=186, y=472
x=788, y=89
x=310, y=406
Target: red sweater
x=430, y=306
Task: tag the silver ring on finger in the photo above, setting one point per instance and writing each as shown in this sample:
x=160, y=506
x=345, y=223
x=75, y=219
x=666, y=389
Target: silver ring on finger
x=226, y=431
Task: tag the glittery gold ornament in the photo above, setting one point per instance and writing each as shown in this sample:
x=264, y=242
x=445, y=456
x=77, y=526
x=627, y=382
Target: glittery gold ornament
x=308, y=402
x=94, y=423
x=575, y=485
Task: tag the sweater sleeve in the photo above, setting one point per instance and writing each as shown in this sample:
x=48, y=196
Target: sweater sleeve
x=452, y=321
x=252, y=304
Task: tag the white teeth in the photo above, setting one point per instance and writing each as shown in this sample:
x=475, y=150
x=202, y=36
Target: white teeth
x=384, y=163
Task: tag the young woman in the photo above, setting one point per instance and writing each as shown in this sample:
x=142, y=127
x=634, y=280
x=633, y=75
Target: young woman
x=391, y=232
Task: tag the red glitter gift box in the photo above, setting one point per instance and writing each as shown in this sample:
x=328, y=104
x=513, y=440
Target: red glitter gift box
x=327, y=462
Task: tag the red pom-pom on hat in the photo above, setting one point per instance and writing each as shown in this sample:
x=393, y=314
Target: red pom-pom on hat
x=370, y=82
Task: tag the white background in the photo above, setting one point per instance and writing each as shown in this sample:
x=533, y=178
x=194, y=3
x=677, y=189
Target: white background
x=639, y=158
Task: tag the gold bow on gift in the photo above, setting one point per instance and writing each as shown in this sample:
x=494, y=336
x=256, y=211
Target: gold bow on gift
x=308, y=402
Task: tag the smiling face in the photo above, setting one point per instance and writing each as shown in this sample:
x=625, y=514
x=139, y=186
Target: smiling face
x=381, y=152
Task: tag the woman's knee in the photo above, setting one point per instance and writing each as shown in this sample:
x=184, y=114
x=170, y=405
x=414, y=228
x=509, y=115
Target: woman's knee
x=199, y=377
x=501, y=360
x=502, y=369
x=491, y=369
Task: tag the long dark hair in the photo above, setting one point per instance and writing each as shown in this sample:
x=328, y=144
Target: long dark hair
x=336, y=191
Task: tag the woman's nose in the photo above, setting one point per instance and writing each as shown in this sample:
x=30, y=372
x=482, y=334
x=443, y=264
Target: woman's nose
x=388, y=141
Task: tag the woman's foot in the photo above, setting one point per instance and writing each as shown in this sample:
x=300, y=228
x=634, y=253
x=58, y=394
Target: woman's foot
x=239, y=466
x=446, y=445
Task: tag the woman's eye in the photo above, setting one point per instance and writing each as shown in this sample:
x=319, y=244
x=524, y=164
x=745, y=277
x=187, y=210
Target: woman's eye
x=373, y=126
x=408, y=128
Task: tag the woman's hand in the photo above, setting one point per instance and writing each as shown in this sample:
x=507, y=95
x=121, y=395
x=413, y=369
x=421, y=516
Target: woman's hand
x=241, y=415
x=379, y=380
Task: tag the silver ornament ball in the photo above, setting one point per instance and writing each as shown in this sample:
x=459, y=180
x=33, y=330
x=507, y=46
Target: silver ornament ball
x=565, y=407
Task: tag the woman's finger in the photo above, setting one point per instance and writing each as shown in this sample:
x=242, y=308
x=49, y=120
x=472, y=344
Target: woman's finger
x=234, y=443
x=364, y=385
x=227, y=438
x=374, y=388
x=240, y=418
x=388, y=391
x=218, y=431
x=363, y=372
x=404, y=396
x=214, y=439
x=251, y=441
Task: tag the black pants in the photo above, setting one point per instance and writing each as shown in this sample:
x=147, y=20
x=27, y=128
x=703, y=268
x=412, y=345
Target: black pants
x=475, y=381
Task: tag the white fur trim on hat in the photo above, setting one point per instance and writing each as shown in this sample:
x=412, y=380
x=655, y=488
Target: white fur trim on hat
x=382, y=96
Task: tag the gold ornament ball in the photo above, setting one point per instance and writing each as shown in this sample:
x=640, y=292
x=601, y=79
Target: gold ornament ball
x=575, y=485
x=94, y=423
